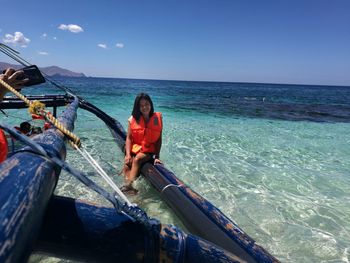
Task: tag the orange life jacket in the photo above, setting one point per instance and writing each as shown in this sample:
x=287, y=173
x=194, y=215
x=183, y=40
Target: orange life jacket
x=37, y=117
x=144, y=136
x=47, y=125
x=3, y=146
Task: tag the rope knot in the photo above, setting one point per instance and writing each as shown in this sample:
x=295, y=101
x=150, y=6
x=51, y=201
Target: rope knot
x=36, y=107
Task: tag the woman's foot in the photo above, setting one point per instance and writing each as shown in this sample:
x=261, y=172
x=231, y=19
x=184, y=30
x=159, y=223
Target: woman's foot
x=129, y=190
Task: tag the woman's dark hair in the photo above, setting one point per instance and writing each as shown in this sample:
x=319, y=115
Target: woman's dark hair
x=136, y=113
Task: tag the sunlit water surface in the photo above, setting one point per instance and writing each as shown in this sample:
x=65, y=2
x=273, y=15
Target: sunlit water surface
x=273, y=158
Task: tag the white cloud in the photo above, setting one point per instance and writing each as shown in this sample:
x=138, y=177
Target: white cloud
x=44, y=53
x=44, y=36
x=119, y=45
x=71, y=28
x=102, y=46
x=54, y=38
x=17, y=38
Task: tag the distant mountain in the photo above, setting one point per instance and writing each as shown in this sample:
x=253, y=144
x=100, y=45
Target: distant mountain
x=57, y=71
x=4, y=65
x=52, y=71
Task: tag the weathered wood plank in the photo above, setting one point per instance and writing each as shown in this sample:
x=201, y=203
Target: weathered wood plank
x=27, y=182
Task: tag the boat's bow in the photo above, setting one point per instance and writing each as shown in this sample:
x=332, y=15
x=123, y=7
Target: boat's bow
x=27, y=181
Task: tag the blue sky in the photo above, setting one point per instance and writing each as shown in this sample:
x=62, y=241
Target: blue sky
x=295, y=41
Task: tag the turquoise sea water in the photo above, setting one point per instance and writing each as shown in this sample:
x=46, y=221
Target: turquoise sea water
x=273, y=158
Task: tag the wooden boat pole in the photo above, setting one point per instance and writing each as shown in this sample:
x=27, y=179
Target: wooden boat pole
x=27, y=182
x=84, y=232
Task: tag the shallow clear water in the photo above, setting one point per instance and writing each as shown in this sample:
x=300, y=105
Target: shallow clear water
x=273, y=158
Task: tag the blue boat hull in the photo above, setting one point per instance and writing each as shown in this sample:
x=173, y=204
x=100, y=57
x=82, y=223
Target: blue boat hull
x=27, y=182
x=81, y=231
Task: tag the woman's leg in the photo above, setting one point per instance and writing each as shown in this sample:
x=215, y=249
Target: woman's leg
x=137, y=162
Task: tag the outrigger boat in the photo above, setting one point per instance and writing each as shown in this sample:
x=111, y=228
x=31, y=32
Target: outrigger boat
x=34, y=219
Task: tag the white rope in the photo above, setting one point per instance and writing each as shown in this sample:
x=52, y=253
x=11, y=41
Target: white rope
x=103, y=174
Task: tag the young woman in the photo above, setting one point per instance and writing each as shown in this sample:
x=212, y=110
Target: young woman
x=143, y=141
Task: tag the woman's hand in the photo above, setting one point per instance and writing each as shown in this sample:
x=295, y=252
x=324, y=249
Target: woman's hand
x=11, y=77
x=127, y=160
x=157, y=161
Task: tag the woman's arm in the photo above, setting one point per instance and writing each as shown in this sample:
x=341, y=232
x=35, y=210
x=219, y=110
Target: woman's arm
x=159, y=142
x=10, y=77
x=128, y=141
x=158, y=145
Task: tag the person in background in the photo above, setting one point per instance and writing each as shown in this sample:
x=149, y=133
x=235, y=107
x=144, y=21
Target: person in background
x=9, y=76
x=25, y=128
x=143, y=140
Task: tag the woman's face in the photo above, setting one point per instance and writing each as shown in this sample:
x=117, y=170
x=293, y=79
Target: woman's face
x=145, y=107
